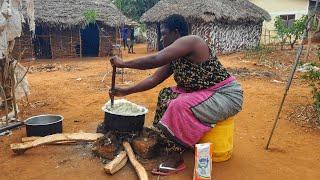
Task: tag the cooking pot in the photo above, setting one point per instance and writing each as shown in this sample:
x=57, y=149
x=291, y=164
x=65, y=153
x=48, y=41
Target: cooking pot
x=124, y=123
x=43, y=125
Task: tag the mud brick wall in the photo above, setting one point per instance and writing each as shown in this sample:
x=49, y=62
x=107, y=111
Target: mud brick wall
x=24, y=42
x=224, y=38
x=64, y=42
x=107, y=39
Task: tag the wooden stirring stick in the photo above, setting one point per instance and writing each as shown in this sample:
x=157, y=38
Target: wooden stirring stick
x=114, y=69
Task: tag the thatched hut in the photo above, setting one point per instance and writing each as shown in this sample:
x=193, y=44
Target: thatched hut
x=62, y=30
x=227, y=25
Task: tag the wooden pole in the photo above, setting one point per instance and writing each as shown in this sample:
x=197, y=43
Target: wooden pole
x=101, y=50
x=32, y=46
x=20, y=46
x=265, y=36
x=62, y=53
x=113, y=82
x=51, y=46
x=13, y=91
x=80, y=43
x=285, y=94
x=3, y=94
x=71, y=44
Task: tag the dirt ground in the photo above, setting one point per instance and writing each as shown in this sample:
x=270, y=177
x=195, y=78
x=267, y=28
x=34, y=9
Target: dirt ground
x=74, y=89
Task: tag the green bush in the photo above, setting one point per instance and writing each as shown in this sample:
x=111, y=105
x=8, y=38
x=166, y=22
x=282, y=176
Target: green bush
x=314, y=78
x=290, y=34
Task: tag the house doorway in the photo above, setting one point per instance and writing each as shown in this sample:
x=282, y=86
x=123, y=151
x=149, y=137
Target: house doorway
x=90, y=40
x=42, y=46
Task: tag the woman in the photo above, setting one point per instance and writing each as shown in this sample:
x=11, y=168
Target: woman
x=205, y=93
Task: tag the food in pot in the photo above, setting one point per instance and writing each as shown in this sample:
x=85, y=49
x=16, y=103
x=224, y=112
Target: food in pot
x=124, y=108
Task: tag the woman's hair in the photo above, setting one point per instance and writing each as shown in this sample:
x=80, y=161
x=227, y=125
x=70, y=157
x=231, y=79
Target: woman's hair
x=176, y=22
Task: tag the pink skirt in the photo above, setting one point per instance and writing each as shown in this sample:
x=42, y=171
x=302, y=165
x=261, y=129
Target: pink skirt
x=179, y=120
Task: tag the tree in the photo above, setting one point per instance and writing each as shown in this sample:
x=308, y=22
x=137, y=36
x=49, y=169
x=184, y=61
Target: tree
x=292, y=33
x=134, y=8
x=297, y=29
x=282, y=30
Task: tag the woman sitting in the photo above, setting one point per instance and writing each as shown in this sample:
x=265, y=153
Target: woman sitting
x=205, y=93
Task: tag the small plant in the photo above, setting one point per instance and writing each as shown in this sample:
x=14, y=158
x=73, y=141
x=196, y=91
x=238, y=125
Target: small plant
x=259, y=52
x=317, y=55
x=90, y=16
x=314, y=78
x=314, y=64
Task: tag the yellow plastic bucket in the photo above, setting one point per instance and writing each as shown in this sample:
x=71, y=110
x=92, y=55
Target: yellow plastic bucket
x=221, y=136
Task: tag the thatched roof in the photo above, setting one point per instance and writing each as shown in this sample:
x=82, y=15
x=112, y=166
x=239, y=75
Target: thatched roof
x=70, y=13
x=133, y=23
x=207, y=10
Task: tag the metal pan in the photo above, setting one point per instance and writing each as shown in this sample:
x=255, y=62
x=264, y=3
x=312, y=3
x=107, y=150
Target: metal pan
x=41, y=125
x=44, y=125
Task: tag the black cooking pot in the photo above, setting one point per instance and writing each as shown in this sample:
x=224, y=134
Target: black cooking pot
x=44, y=125
x=121, y=123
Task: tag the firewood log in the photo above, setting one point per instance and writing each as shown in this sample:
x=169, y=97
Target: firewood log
x=141, y=171
x=33, y=138
x=29, y=139
x=117, y=163
x=20, y=148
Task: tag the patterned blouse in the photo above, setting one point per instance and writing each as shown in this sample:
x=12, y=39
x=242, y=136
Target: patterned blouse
x=192, y=77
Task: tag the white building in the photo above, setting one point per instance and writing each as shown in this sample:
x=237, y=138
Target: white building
x=287, y=9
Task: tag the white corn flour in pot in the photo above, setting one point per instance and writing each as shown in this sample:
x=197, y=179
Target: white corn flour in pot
x=124, y=108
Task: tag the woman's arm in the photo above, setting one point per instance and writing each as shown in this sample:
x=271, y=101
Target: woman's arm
x=178, y=49
x=152, y=81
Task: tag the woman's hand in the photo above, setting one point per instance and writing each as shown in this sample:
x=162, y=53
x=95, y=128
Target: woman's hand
x=117, y=62
x=119, y=92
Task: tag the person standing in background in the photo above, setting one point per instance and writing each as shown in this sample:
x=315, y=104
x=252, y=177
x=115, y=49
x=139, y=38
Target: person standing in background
x=124, y=36
x=131, y=41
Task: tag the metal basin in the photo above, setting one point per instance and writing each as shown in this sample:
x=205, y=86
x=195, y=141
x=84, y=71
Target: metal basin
x=44, y=125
